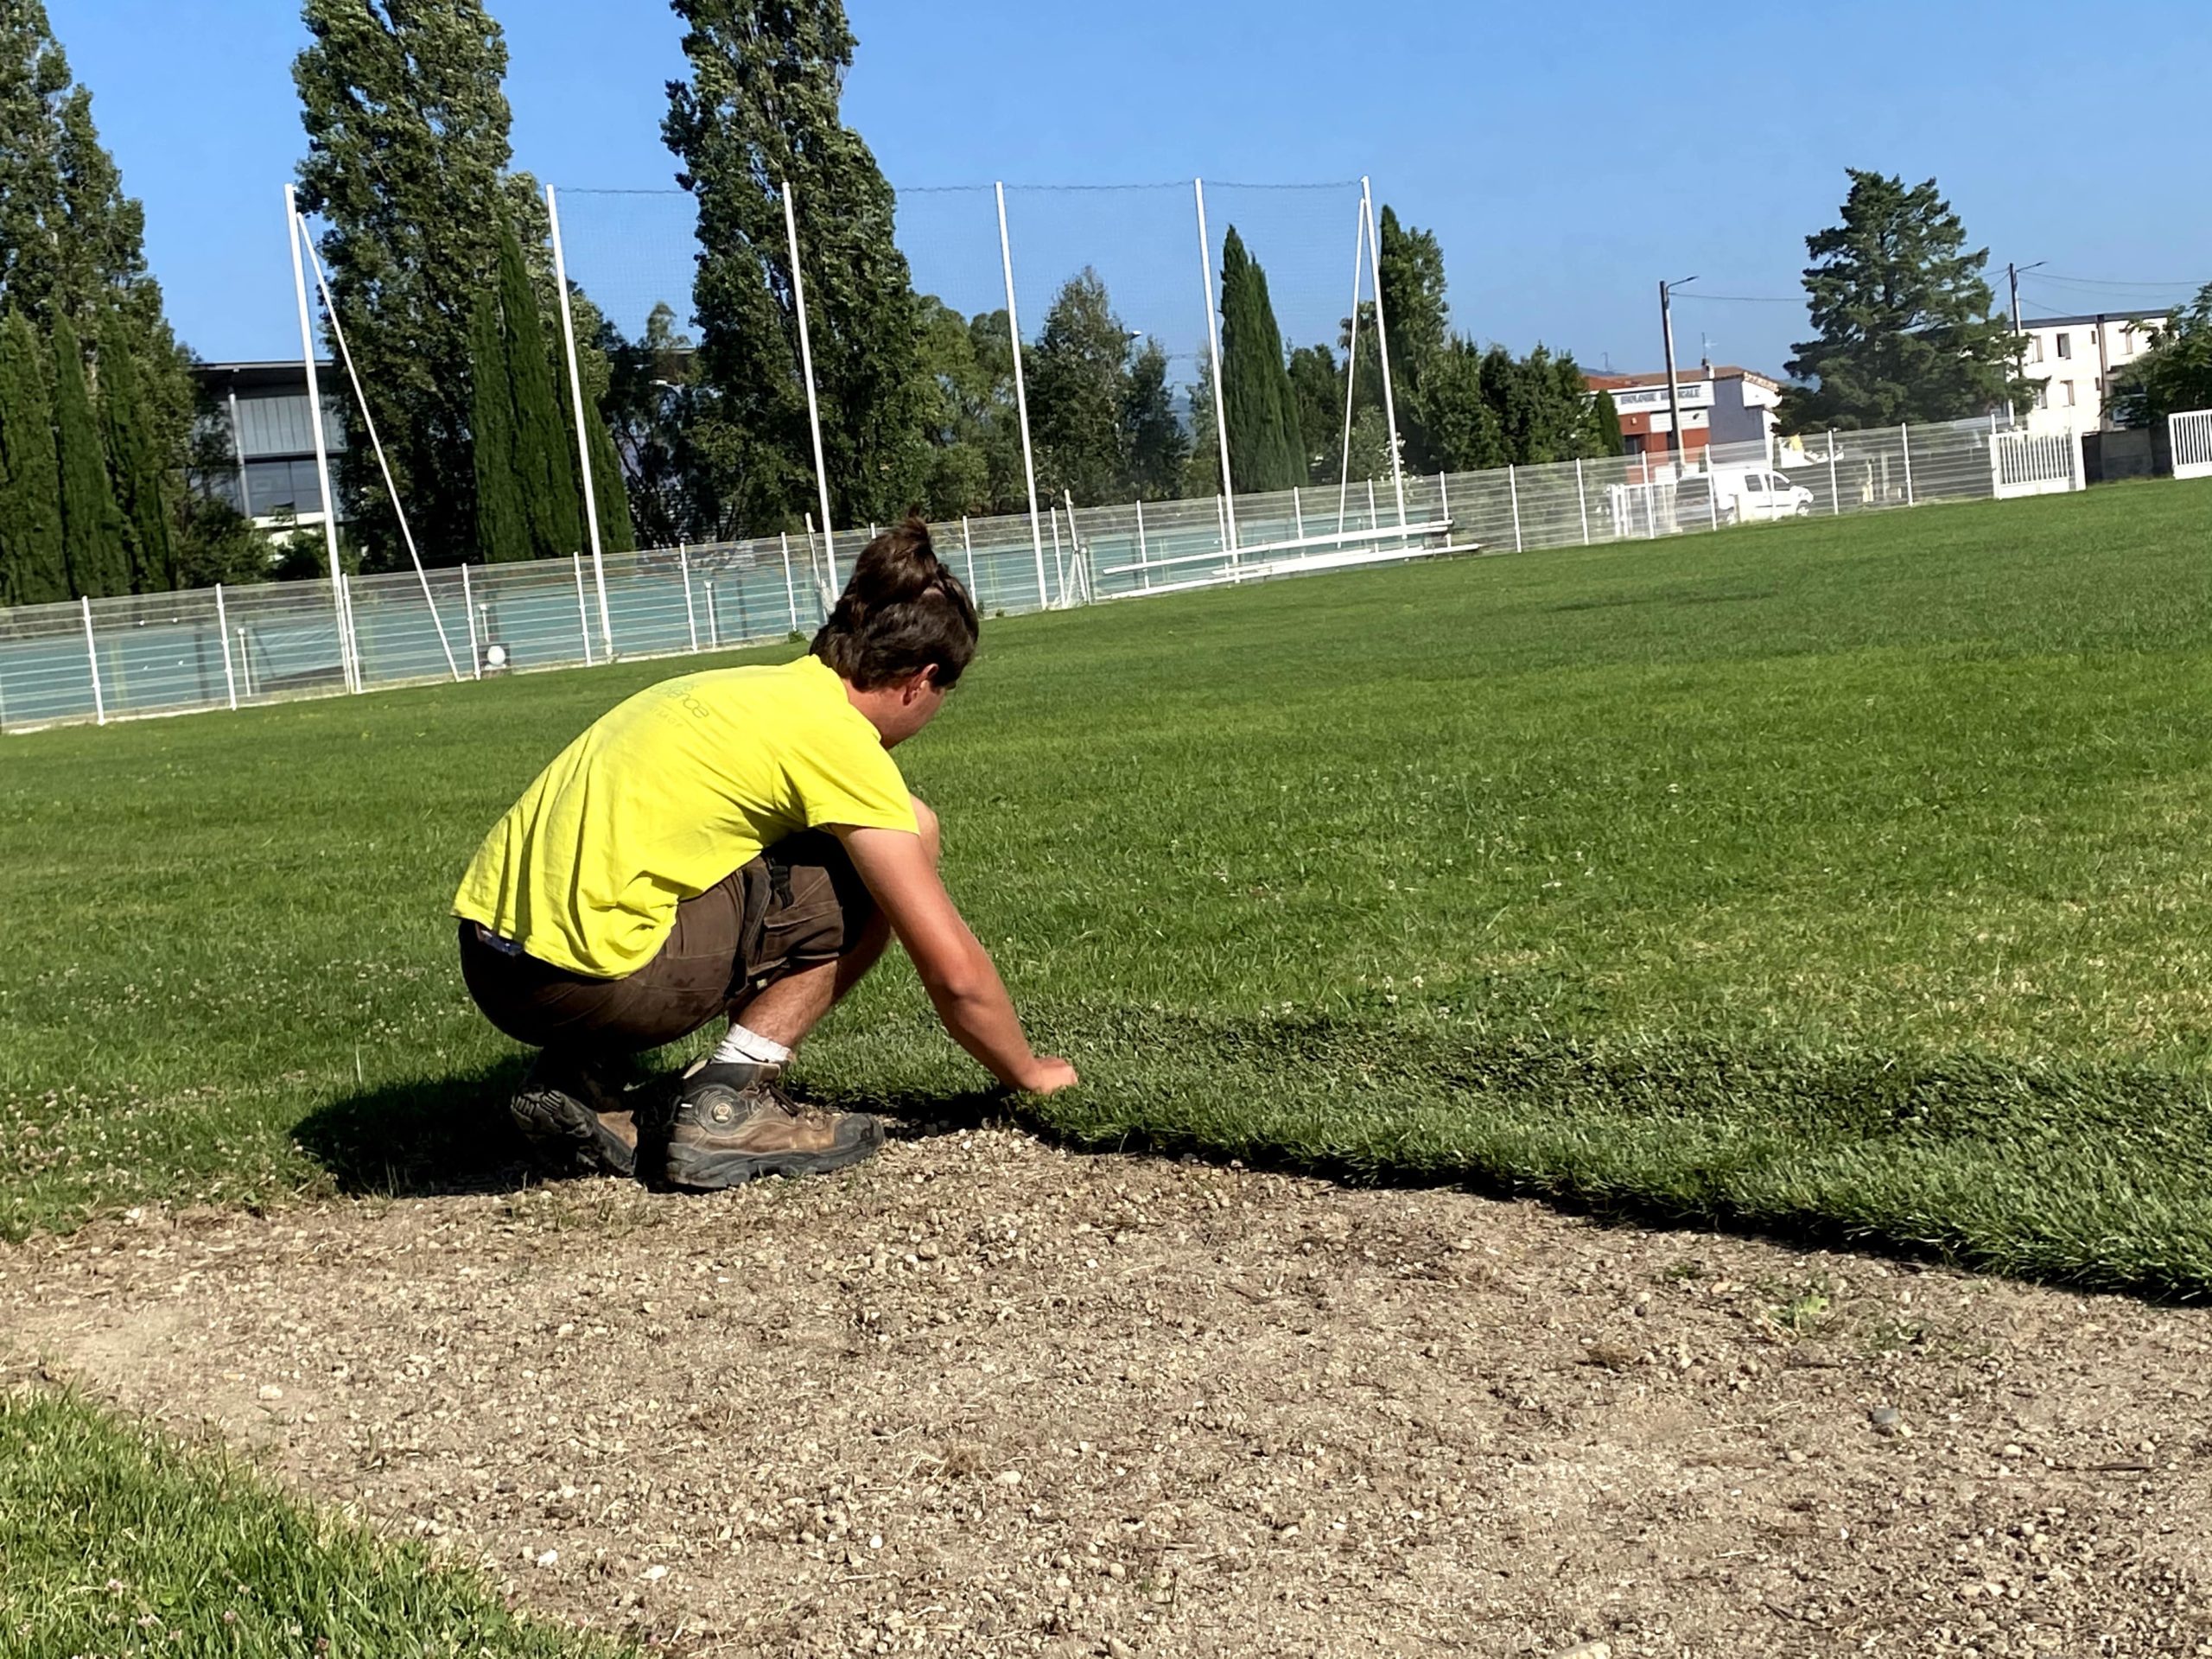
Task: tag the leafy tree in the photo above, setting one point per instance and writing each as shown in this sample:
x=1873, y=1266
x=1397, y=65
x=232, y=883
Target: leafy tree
x=618, y=532
x=1202, y=466
x=975, y=439
x=216, y=542
x=1905, y=331
x=2175, y=374
x=1457, y=409
x=760, y=110
x=33, y=570
x=137, y=471
x=1266, y=451
x=407, y=150
x=1078, y=388
x=1152, y=438
x=92, y=528
x=650, y=407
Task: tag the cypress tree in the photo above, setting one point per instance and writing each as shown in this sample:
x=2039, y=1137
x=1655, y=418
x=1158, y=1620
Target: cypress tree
x=135, y=464
x=761, y=107
x=32, y=568
x=502, y=530
x=73, y=244
x=407, y=150
x=616, y=532
x=91, y=529
x=544, y=463
x=1265, y=450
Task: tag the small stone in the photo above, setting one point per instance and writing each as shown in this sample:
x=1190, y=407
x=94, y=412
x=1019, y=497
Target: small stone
x=1589, y=1651
x=655, y=1574
x=1886, y=1419
x=1117, y=1648
x=269, y=1391
x=549, y=1558
x=1794, y=1455
x=1008, y=1477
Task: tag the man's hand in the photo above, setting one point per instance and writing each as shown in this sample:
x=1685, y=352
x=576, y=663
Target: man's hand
x=954, y=969
x=1050, y=1075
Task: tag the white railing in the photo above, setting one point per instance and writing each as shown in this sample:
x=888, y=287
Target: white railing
x=2191, y=436
x=216, y=648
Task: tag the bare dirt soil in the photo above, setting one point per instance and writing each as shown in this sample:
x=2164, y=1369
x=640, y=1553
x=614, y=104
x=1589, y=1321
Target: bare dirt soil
x=983, y=1396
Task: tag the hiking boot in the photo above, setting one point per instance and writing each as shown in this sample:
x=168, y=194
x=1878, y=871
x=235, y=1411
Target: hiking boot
x=574, y=1120
x=732, y=1124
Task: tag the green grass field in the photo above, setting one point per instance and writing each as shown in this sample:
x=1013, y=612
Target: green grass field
x=1843, y=880
x=1847, y=879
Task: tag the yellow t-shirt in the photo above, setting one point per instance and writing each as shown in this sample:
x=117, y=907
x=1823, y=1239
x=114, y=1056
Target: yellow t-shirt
x=666, y=794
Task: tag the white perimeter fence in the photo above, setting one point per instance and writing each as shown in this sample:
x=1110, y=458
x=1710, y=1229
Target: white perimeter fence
x=166, y=653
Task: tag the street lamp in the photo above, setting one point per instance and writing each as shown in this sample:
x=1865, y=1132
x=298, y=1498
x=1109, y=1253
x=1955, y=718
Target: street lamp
x=1674, y=387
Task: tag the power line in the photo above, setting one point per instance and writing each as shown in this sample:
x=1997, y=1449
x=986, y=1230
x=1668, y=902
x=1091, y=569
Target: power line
x=1747, y=299
x=2100, y=281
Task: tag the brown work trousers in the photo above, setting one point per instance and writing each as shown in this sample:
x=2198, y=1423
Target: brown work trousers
x=799, y=904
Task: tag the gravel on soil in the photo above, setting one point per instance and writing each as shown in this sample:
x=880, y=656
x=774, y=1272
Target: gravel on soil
x=984, y=1396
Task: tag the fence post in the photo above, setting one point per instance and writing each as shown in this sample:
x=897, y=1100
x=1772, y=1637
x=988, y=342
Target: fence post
x=93, y=657
x=1297, y=513
x=1712, y=490
x=1144, y=559
x=1835, y=496
x=968, y=548
x=583, y=615
x=714, y=621
x=1059, y=563
x=1373, y=519
x=1444, y=502
x=2080, y=479
x=349, y=639
x=1904, y=440
x=1513, y=490
x=245, y=662
x=791, y=593
x=1650, y=502
x=468, y=610
x=1581, y=501
x=223, y=634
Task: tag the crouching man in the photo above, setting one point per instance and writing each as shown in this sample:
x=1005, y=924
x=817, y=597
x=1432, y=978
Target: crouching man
x=735, y=843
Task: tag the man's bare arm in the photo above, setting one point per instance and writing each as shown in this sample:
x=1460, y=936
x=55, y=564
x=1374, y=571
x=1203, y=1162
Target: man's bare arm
x=956, y=970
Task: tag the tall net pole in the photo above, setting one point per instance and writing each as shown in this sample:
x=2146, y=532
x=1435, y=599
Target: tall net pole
x=813, y=408
x=368, y=422
x=295, y=228
x=1020, y=396
x=1351, y=358
x=1213, y=349
x=1382, y=345
x=583, y=445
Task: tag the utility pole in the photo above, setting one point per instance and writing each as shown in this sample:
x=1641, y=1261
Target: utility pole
x=2019, y=351
x=1673, y=386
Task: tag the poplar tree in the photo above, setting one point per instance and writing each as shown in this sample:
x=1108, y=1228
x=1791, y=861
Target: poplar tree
x=1153, y=440
x=136, y=470
x=760, y=109
x=408, y=151
x=32, y=568
x=1266, y=451
x=91, y=529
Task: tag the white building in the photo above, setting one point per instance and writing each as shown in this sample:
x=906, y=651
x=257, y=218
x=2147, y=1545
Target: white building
x=2073, y=361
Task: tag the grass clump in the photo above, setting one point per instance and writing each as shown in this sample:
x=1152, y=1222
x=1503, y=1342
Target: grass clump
x=120, y=1543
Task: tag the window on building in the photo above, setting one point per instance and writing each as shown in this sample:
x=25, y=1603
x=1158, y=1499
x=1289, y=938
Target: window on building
x=2035, y=348
x=276, y=486
x=2066, y=344
x=2069, y=394
x=2042, y=394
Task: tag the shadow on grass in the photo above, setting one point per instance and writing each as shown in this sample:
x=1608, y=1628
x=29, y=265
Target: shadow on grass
x=414, y=1140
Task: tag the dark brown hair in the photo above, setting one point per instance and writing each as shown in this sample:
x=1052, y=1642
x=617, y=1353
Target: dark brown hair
x=901, y=613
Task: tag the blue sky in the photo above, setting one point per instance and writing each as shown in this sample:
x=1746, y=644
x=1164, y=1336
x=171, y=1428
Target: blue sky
x=1566, y=157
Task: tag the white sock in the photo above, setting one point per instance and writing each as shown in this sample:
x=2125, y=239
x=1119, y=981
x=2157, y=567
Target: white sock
x=742, y=1045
